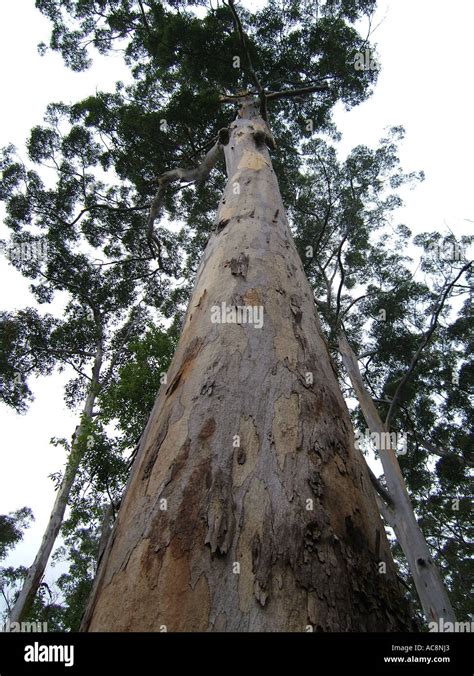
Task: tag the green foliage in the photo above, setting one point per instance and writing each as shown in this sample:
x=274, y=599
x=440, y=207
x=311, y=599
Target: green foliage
x=12, y=527
x=24, y=351
x=130, y=396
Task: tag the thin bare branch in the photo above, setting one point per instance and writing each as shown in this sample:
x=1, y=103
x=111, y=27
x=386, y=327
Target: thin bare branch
x=243, y=41
x=297, y=92
x=105, y=206
x=379, y=488
x=341, y=283
x=145, y=20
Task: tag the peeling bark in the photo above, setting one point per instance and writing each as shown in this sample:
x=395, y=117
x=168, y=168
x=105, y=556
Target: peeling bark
x=270, y=521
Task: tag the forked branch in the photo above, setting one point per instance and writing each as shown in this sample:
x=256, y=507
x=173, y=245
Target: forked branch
x=196, y=175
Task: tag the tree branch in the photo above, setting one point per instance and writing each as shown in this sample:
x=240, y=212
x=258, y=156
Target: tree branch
x=234, y=98
x=198, y=175
x=424, y=342
x=379, y=488
x=252, y=73
x=442, y=453
x=103, y=206
x=145, y=20
x=296, y=92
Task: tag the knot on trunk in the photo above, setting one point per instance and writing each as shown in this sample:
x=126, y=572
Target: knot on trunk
x=261, y=137
x=240, y=265
x=224, y=136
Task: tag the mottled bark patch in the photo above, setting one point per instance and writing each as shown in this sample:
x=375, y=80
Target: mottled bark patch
x=208, y=429
x=174, y=440
x=355, y=537
x=220, y=515
x=155, y=449
x=285, y=426
x=189, y=356
x=255, y=509
x=252, y=160
x=159, y=527
x=189, y=522
x=251, y=297
x=295, y=307
x=239, y=266
x=245, y=456
x=191, y=613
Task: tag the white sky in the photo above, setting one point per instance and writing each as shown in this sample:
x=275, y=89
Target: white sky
x=425, y=48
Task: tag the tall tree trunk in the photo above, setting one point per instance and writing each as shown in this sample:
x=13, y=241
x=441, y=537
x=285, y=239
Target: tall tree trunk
x=429, y=585
x=37, y=568
x=248, y=508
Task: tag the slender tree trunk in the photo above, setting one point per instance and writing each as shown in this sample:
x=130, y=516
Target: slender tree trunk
x=429, y=585
x=248, y=508
x=36, y=570
x=105, y=529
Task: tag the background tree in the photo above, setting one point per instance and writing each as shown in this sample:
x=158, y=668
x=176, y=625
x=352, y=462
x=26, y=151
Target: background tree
x=12, y=527
x=350, y=249
x=106, y=307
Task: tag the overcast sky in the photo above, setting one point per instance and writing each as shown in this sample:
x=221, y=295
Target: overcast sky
x=425, y=49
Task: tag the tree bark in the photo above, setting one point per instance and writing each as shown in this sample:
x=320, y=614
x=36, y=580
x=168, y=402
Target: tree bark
x=400, y=515
x=248, y=507
x=37, y=568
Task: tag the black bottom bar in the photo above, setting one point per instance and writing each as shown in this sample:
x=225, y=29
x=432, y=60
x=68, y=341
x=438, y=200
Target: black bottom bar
x=443, y=653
